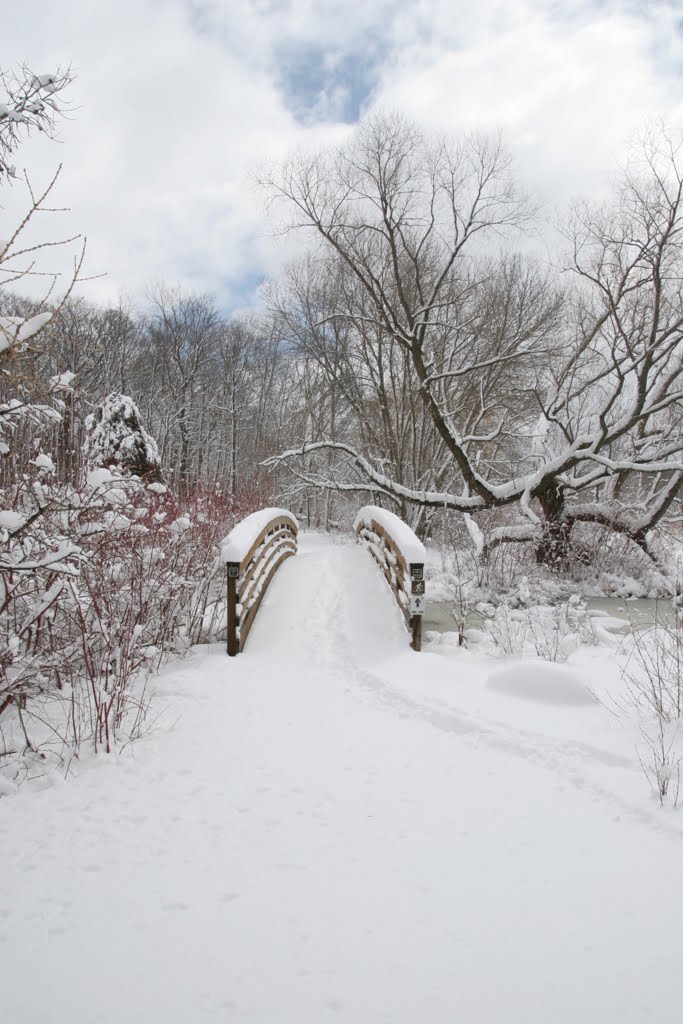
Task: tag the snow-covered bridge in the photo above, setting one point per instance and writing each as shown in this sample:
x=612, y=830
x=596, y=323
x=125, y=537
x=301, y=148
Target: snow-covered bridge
x=257, y=547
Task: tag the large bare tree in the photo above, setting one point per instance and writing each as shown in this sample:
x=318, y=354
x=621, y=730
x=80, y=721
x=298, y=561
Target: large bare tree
x=542, y=392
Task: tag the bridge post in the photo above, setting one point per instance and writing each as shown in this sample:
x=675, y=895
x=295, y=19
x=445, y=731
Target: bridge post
x=417, y=603
x=233, y=639
x=416, y=628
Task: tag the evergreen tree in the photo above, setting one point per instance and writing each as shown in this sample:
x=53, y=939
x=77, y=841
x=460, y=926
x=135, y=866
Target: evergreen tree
x=116, y=437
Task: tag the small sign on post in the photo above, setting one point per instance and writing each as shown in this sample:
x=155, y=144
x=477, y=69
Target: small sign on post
x=417, y=602
x=417, y=597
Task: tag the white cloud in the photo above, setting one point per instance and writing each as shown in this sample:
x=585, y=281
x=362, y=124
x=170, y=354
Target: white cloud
x=568, y=92
x=177, y=102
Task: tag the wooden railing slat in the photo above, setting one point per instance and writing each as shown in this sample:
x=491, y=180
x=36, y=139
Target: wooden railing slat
x=272, y=542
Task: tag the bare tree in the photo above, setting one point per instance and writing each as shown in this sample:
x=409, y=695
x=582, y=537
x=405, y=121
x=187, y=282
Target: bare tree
x=612, y=406
x=538, y=394
x=182, y=340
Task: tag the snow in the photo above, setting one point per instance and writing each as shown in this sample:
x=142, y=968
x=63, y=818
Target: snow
x=544, y=682
x=15, y=330
x=11, y=520
x=410, y=547
x=236, y=546
x=476, y=535
x=332, y=827
x=181, y=524
x=99, y=477
x=44, y=462
x=62, y=381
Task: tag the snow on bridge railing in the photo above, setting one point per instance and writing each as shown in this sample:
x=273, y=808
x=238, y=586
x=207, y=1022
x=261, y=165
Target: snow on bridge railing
x=252, y=553
x=401, y=557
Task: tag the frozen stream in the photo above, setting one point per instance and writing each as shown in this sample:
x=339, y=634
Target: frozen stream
x=614, y=613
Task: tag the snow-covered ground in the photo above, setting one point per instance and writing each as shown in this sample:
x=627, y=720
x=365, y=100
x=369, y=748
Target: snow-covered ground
x=332, y=827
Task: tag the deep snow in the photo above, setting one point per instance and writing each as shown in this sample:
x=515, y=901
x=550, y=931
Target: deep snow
x=332, y=827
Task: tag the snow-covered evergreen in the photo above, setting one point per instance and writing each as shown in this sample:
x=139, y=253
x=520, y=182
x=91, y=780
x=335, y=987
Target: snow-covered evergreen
x=116, y=437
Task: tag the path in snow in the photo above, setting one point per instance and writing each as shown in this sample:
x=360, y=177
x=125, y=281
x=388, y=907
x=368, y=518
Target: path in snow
x=310, y=834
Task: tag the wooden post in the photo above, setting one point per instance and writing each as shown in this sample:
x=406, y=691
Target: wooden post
x=233, y=576
x=416, y=627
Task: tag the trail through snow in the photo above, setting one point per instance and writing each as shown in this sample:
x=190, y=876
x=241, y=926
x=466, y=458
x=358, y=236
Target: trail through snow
x=318, y=830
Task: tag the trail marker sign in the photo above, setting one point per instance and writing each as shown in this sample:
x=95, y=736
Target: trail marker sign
x=417, y=589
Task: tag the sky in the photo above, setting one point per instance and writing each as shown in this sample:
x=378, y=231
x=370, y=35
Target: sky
x=177, y=103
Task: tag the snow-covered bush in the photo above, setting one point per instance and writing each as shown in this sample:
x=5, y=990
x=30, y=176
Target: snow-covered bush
x=116, y=437
x=123, y=576
x=553, y=633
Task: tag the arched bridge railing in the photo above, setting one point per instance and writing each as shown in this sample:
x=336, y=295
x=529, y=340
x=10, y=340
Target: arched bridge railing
x=401, y=557
x=252, y=553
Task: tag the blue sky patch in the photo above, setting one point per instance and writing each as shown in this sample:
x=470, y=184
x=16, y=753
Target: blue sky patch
x=319, y=84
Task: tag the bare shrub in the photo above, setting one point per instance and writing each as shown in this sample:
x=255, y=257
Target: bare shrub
x=654, y=693
x=553, y=633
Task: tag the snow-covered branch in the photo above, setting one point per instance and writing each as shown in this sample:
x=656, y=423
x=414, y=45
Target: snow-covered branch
x=28, y=102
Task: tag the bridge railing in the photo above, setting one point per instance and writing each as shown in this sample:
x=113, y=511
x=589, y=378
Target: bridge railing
x=252, y=553
x=401, y=557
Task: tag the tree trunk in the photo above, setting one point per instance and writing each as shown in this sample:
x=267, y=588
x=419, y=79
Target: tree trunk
x=233, y=437
x=184, y=455
x=554, y=545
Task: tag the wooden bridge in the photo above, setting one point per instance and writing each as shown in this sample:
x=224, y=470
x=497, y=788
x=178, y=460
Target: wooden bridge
x=257, y=547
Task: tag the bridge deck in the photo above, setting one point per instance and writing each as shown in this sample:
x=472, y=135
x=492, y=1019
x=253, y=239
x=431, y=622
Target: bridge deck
x=326, y=603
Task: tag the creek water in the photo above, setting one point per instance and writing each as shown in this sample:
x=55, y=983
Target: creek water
x=613, y=613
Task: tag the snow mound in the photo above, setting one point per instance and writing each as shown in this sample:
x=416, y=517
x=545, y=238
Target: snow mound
x=542, y=682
